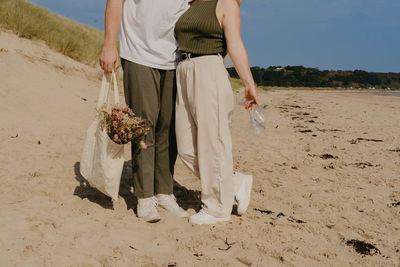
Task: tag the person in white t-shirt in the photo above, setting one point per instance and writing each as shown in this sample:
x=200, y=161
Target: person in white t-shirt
x=148, y=57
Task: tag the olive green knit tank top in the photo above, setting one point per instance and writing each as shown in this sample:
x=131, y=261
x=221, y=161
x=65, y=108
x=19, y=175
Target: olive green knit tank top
x=198, y=30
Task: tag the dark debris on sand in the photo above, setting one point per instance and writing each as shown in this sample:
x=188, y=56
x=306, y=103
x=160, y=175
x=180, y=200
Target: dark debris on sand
x=355, y=141
x=264, y=211
x=328, y=156
x=330, y=166
x=291, y=219
x=330, y=130
x=362, y=165
x=292, y=106
x=305, y=131
x=394, y=204
x=362, y=247
x=228, y=245
x=369, y=139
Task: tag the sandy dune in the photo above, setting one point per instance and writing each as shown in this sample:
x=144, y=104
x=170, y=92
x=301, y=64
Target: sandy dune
x=327, y=170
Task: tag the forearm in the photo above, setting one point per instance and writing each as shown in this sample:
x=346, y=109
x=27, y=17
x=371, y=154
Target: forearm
x=238, y=54
x=112, y=22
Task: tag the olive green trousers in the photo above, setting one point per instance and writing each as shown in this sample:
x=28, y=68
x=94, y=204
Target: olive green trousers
x=151, y=94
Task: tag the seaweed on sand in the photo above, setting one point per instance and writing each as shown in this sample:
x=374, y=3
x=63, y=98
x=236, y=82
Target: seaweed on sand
x=362, y=247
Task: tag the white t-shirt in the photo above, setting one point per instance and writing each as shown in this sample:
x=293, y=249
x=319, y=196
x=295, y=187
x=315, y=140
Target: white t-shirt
x=147, y=32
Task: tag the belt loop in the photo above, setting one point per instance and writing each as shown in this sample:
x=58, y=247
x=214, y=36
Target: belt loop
x=188, y=55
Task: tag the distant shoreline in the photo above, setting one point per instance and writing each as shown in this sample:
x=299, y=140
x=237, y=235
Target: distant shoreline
x=376, y=92
x=332, y=90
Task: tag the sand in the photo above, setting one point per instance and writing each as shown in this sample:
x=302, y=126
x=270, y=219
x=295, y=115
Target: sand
x=326, y=169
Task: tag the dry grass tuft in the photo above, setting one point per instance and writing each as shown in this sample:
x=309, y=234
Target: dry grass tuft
x=72, y=39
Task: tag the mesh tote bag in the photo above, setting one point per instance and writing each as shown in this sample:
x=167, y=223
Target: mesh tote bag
x=102, y=160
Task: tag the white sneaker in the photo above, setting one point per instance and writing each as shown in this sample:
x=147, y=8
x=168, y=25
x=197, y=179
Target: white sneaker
x=147, y=209
x=168, y=202
x=243, y=195
x=203, y=218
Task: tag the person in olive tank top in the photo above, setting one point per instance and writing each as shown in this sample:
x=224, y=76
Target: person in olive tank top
x=206, y=32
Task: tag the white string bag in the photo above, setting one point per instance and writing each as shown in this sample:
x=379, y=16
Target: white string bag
x=102, y=160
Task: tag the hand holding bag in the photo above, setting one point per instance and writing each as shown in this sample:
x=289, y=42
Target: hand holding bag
x=102, y=160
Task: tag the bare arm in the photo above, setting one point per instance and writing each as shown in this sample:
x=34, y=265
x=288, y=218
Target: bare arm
x=231, y=25
x=109, y=54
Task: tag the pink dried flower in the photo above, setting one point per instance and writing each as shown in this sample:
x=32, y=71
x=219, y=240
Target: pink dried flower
x=123, y=126
x=120, y=116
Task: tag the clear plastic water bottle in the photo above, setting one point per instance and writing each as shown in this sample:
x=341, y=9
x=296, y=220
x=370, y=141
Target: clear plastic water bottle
x=258, y=118
x=257, y=114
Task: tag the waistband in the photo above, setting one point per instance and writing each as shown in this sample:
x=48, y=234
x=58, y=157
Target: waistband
x=185, y=55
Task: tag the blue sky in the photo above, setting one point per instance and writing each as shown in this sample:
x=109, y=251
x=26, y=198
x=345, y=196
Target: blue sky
x=328, y=34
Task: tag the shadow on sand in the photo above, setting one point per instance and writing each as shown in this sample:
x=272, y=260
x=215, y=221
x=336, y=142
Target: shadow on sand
x=186, y=198
x=84, y=190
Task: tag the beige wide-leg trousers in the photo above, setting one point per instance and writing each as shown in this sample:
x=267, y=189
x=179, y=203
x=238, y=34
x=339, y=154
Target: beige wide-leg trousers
x=204, y=105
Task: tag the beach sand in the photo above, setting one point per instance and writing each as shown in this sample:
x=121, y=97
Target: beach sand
x=326, y=171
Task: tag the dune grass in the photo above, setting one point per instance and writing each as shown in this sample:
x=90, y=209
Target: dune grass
x=236, y=84
x=72, y=39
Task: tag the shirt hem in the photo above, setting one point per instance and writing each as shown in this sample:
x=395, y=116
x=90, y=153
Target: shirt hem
x=151, y=65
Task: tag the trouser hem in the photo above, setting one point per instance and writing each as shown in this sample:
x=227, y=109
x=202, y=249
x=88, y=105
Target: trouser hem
x=143, y=195
x=164, y=192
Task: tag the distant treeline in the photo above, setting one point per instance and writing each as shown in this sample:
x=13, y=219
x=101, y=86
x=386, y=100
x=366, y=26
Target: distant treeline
x=299, y=76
